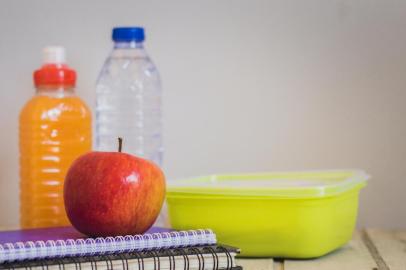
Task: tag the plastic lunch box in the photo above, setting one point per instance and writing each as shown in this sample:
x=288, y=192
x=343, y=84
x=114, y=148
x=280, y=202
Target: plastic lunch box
x=288, y=214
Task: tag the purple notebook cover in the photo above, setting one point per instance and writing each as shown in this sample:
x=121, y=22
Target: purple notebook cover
x=58, y=233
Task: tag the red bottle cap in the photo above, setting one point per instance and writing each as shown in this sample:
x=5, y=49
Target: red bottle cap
x=54, y=72
x=55, y=75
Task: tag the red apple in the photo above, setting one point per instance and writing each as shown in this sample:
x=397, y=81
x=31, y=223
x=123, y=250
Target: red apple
x=113, y=193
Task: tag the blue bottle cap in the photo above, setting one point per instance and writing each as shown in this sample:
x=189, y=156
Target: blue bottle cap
x=127, y=34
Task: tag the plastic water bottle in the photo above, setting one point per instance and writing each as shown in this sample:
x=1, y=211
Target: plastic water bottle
x=128, y=102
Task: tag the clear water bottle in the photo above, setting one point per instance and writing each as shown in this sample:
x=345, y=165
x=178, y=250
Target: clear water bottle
x=128, y=102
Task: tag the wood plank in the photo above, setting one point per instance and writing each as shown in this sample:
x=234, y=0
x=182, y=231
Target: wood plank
x=391, y=246
x=374, y=251
x=256, y=264
x=354, y=255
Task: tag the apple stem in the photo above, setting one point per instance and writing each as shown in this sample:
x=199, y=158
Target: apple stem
x=120, y=144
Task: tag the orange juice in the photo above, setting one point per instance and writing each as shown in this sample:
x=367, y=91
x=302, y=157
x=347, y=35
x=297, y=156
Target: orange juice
x=55, y=128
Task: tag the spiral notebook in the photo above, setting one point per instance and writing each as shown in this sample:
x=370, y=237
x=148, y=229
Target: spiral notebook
x=159, y=248
x=67, y=242
x=191, y=258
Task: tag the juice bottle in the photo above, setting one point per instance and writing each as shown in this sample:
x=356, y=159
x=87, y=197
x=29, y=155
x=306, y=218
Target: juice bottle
x=55, y=128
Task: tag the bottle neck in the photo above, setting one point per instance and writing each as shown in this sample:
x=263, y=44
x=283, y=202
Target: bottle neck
x=128, y=45
x=128, y=50
x=55, y=91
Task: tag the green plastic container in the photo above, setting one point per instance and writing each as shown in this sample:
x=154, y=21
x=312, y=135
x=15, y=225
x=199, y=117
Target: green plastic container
x=288, y=214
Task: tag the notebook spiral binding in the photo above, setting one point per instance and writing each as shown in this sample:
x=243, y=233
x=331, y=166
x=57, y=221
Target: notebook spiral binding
x=215, y=257
x=99, y=246
x=185, y=258
x=199, y=257
x=185, y=253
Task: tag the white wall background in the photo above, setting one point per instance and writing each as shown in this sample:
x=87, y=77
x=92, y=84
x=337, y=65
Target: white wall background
x=249, y=85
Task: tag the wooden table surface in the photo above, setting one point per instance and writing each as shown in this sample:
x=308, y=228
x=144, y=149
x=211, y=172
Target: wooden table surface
x=369, y=249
